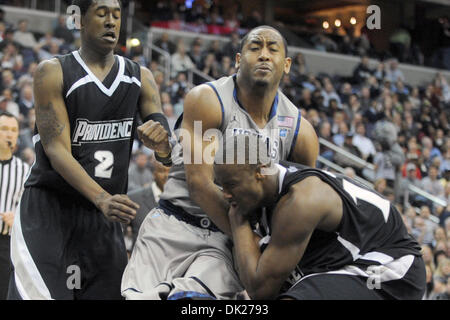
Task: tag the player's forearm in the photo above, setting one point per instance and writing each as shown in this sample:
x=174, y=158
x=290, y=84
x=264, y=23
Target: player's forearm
x=210, y=199
x=73, y=173
x=247, y=255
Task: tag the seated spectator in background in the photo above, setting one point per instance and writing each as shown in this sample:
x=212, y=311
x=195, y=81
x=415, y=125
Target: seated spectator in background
x=299, y=69
x=400, y=43
x=339, y=136
x=344, y=161
x=148, y=197
x=168, y=111
x=364, y=144
x=196, y=54
x=224, y=67
x=28, y=155
x=11, y=58
x=209, y=66
x=329, y=93
x=362, y=72
x=61, y=31
x=393, y=73
x=428, y=143
x=232, y=47
x=380, y=185
x=215, y=48
x=180, y=60
x=411, y=178
x=323, y=43
x=325, y=133
x=139, y=174
x=165, y=43
x=431, y=183
x=24, y=37
x=7, y=104
x=430, y=225
x=26, y=101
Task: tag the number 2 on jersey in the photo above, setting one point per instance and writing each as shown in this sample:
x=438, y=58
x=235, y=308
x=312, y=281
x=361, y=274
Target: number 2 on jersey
x=105, y=167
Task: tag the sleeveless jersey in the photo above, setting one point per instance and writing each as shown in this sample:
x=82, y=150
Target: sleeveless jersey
x=102, y=122
x=371, y=231
x=281, y=132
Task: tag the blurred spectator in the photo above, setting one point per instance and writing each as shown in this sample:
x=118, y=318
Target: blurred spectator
x=380, y=185
x=209, y=66
x=61, y=31
x=429, y=225
x=196, y=54
x=349, y=172
x=224, y=68
x=180, y=60
x=362, y=72
x=24, y=37
x=232, y=47
x=26, y=101
x=393, y=73
x=445, y=295
x=323, y=43
x=165, y=44
x=431, y=183
x=139, y=175
x=330, y=93
x=325, y=133
x=364, y=144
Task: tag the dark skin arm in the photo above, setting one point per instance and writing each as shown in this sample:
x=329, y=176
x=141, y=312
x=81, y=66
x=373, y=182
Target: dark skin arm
x=201, y=104
x=296, y=216
x=306, y=148
x=54, y=130
x=152, y=133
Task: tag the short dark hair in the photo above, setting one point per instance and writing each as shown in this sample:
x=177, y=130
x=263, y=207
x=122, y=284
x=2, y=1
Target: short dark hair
x=84, y=5
x=9, y=115
x=245, y=38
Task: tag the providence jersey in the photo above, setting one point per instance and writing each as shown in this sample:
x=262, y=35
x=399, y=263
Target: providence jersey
x=102, y=121
x=280, y=133
x=371, y=232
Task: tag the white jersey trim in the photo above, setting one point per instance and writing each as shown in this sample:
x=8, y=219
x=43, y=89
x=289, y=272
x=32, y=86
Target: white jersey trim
x=29, y=282
x=120, y=77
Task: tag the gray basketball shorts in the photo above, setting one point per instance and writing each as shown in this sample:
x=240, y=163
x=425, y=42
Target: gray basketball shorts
x=171, y=258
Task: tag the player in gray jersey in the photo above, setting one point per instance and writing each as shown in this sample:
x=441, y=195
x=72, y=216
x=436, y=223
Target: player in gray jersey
x=183, y=249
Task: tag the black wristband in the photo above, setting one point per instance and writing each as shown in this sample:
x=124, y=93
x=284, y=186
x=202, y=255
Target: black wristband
x=167, y=161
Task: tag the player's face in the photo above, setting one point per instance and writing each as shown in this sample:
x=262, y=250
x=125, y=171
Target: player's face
x=240, y=186
x=102, y=23
x=9, y=132
x=263, y=58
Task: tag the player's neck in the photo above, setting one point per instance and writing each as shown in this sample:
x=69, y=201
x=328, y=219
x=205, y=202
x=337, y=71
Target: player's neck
x=258, y=103
x=93, y=57
x=271, y=189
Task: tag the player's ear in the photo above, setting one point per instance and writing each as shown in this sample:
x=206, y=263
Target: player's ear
x=237, y=61
x=287, y=64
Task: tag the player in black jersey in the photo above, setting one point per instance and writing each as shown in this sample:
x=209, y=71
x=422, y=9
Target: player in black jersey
x=321, y=235
x=67, y=241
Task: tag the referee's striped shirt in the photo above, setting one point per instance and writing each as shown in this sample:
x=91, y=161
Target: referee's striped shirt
x=13, y=173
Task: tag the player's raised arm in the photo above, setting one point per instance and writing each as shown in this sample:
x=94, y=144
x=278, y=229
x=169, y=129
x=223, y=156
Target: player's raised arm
x=306, y=147
x=201, y=104
x=54, y=131
x=155, y=130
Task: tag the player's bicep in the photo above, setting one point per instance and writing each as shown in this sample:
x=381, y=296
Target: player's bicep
x=51, y=113
x=201, y=122
x=306, y=149
x=149, y=101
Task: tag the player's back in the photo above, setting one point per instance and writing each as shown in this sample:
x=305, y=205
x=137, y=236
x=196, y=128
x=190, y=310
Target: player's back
x=280, y=132
x=102, y=118
x=371, y=230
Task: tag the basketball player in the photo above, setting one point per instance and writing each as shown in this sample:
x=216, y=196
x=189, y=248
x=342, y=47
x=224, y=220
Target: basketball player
x=183, y=249
x=324, y=235
x=67, y=241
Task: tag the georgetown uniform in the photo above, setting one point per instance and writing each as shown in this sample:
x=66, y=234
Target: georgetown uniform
x=59, y=232
x=371, y=244
x=178, y=247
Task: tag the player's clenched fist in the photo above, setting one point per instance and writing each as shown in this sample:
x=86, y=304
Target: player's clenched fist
x=117, y=207
x=155, y=137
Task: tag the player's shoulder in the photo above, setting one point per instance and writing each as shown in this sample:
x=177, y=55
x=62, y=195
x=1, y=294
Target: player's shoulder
x=48, y=72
